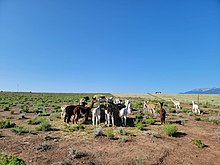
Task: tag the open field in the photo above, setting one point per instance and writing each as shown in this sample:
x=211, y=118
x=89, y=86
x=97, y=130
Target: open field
x=56, y=143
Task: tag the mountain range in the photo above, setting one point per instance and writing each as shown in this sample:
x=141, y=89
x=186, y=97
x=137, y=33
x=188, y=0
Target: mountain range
x=204, y=91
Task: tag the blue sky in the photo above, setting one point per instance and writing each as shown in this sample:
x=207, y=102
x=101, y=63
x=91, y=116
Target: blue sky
x=118, y=46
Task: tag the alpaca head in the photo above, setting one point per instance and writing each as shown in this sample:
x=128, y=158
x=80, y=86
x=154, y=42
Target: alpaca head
x=161, y=104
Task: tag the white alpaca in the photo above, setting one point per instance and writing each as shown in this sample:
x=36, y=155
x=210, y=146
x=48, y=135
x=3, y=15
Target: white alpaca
x=109, y=113
x=63, y=112
x=96, y=114
x=123, y=113
x=176, y=103
x=117, y=101
x=195, y=108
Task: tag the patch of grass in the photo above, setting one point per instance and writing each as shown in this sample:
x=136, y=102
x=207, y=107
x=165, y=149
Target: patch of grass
x=20, y=130
x=169, y=129
x=110, y=134
x=44, y=126
x=6, y=124
x=36, y=121
x=12, y=112
x=98, y=132
x=197, y=119
x=73, y=128
x=212, y=119
x=213, y=111
x=185, y=110
x=10, y=160
x=139, y=125
x=149, y=121
x=171, y=111
x=139, y=161
x=199, y=143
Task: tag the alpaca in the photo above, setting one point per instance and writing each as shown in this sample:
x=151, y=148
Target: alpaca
x=109, y=113
x=83, y=101
x=123, y=113
x=96, y=114
x=150, y=107
x=72, y=110
x=162, y=114
x=176, y=103
x=195, y=108
x=117, y=101
x=83, y=110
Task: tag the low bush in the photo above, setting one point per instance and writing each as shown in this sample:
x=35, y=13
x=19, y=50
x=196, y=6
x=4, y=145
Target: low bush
x=199, y=143
x=212, y=119
x=169, y=129
x=6, y=124
x=197, y=119
x=110, y=134
x=44, y=126
x=10, y=160
x=149, y=121
x=171, y=111
x=36, y=121
x=139, y=125
x=20, y=130
x=98, y=132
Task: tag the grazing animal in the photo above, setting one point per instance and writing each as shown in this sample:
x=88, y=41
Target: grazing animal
x=96, y=114
x=76, y=111
x=162, y=114
x=195, y=108
x=83, y=110
x=176, y=103
x=109, y=113
x=123, y=113
x=83, y=101
x=117, y=101
x=150, y=107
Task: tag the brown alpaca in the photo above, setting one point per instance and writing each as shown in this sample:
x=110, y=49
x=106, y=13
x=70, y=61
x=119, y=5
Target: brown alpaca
x=78, y=110
x=162, y=114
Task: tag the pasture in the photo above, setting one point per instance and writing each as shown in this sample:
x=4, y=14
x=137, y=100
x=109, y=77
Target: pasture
x=31, y=129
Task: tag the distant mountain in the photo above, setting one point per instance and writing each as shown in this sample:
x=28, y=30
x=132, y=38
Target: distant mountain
x=204, y=91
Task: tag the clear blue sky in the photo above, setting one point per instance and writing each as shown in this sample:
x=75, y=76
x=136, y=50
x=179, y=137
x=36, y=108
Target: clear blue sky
x=118, y=46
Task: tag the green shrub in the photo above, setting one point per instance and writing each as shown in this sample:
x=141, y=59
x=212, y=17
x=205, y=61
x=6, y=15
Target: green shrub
x=44, y=126
x=199, y=143
x=36, y=121
x=169, y=129
x=20, y=130
x=137, y=105
x=212, y=119
x=139, y=125
x=12, y=111
x=73, y=128
x=10, y=160
x=185, y=110
x=149, y=121
x=171, y=111
x=6, y=124
x=197, y=119
x=98, y=132
x=110, y=134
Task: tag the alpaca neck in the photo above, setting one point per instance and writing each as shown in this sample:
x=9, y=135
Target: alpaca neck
x=92, y=104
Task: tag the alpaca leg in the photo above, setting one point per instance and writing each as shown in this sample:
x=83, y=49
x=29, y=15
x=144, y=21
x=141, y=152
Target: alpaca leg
x=96, y=121
x=108, y=119
x=113, y=122
x=125, y=117
x=93, y=119
x=99, y=118
x=122, y=118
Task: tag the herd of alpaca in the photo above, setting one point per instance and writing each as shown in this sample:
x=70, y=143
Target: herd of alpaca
x=80, y=109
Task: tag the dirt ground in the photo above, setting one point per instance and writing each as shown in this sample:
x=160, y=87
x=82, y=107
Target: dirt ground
x=150, y=146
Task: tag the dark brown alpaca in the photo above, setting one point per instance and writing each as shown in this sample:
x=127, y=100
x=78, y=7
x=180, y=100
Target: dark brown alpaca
x=162, y=114
x=79, y=110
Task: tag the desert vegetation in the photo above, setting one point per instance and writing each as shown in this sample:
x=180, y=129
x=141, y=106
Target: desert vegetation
x=32, y=131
